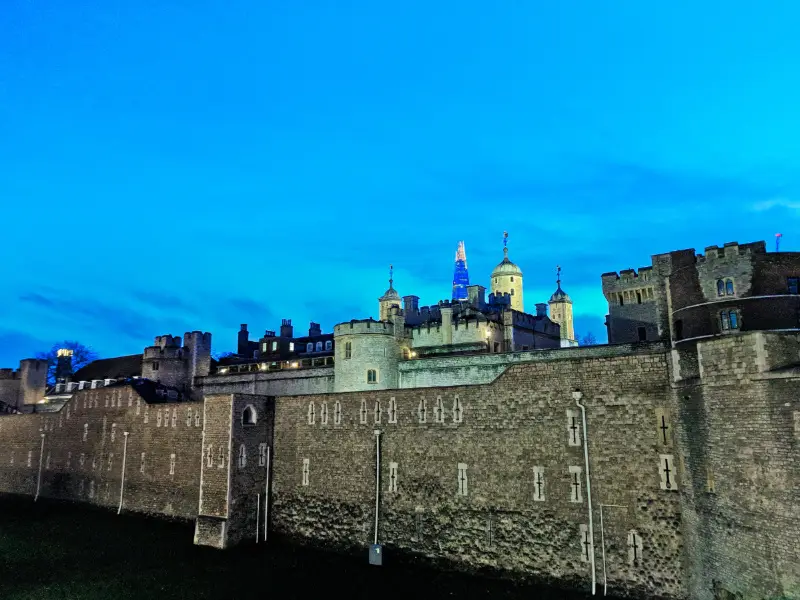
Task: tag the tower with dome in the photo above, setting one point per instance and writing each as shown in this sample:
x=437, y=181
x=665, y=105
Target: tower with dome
x=561, y=312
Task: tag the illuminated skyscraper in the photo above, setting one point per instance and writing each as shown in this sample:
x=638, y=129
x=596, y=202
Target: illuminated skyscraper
x=460, y=275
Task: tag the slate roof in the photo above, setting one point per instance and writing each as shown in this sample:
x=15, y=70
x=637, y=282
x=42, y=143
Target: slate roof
x=120, y=367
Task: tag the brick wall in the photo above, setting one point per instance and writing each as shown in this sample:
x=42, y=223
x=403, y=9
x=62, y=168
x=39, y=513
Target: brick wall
x=90, y=469
x=509, y=427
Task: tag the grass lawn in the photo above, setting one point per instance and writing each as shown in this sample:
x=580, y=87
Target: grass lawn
x=55, y=550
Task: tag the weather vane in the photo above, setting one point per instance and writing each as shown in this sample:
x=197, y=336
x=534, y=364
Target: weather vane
x=558, y=274
x=391, y=274
x=505, y=239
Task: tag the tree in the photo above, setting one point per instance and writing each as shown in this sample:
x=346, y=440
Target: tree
x=588, y=340
x=220, y=355
x=81, y=356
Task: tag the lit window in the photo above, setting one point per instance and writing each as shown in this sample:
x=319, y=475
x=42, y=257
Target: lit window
x=372, y=376
x=348, y=349
x=274, y=345
x=264, y=347
x=729, y=287
x=291, y=346
x=328, y=345
x=309, y=347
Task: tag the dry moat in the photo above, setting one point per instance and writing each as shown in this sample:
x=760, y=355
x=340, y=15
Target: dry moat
x=58, y=550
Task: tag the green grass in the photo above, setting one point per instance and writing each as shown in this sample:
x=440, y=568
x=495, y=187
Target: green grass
x=55, y=550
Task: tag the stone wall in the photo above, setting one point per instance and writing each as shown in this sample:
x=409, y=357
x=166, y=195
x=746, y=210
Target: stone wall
x=501, y=434
x=287, y=382
x=741, y=440
x=84, y=445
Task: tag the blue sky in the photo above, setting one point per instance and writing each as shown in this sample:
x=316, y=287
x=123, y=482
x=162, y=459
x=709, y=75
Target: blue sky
x=171, y=166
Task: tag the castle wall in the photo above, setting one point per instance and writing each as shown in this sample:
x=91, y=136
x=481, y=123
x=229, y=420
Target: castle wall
x=91, y=470
x=507, y=431
x=740, y=435
x=287, y=382
x=9, y=391
x=478, y=369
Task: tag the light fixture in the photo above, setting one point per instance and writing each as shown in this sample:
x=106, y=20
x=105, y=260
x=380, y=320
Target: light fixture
x=223, y=371
x=577, y=395
x=294, y=364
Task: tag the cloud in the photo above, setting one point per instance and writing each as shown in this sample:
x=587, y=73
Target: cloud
x=776, y=203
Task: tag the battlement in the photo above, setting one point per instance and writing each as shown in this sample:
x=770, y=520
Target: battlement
x=165, y=352
x=7, y=374
x=363, y=326
x=167, y=341
x=627, y=278
x=196, y=338
x=732, y=250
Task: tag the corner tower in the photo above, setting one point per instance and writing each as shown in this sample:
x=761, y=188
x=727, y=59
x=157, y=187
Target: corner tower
x=389, y=299
x=561, y=312
x=507, y=279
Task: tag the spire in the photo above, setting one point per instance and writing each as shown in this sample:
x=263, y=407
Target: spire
x=505, y=245
x=460, y=274
x=391, y=276
x=558, y=276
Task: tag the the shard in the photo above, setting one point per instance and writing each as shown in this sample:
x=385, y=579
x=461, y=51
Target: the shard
x=460, y=275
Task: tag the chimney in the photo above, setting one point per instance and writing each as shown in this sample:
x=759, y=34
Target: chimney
x=541, y=309
x=243, y=340
x=287, y=331
x=314, y=329
x=410, y=304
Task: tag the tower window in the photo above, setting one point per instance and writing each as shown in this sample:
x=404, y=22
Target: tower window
x=155, y=365
x=724, y=320
x=793, y=284
x=734, y=319
x=729, y=287
x=372, y=376
x=248, y=416
x=348, y=349
x=512, y=278
x=512, y=291
x=720, y=287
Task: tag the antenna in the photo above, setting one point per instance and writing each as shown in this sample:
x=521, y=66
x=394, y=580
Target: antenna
x=778, y=237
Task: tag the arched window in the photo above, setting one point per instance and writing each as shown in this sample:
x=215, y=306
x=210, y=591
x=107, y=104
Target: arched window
x=734, y=318
x=328, y=345
x=729, y=287
x=725, y=322
x=372, y=376
x=249, y=415
x=720, y=287
x=348, y=349
x=319, y=346
x=309, y=347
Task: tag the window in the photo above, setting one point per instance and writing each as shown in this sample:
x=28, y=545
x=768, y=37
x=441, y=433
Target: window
x=158, y=418
x=538, y=484
x=264, y=347
x=155, y=365
x=348, y=349
x=422, y=410
x=337, y=413
x=793, y=285
x=372, y=376
x=323, y=413
x=497, y=346
x=575, y=485
x=305, y=471
x=638, y=297
x=110, y=460
x=621, y=300
x=729, y=287
x=141, y=464
x=392, y=410
x=113, y=431
x=725, y=322
x=734, y=320
x=573, y=428
x=438, y=412
x=146, y=413
x=678, y=329
x=525, y=348
x=512, y=291
x=642, y=333
x=188, y=417
x=309, y=347
x=378, y=411
x=392, y=476
x=328, y=345
x=172, y=464
x=274, y=345
x=363, y=413
x=209, y=455
x=462, y=479
x=174, y=417
x=319, y=346
x=242, y=457
x=634, y=548
x=262, y=454
x=512, y=278
x=311, y=413
x=249, y=415
x=291, y=346
x=85, y=431
x=458, y=412
x=197, y=418
x=720, y=287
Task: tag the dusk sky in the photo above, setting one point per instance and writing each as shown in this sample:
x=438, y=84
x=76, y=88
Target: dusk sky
x=173, y=166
